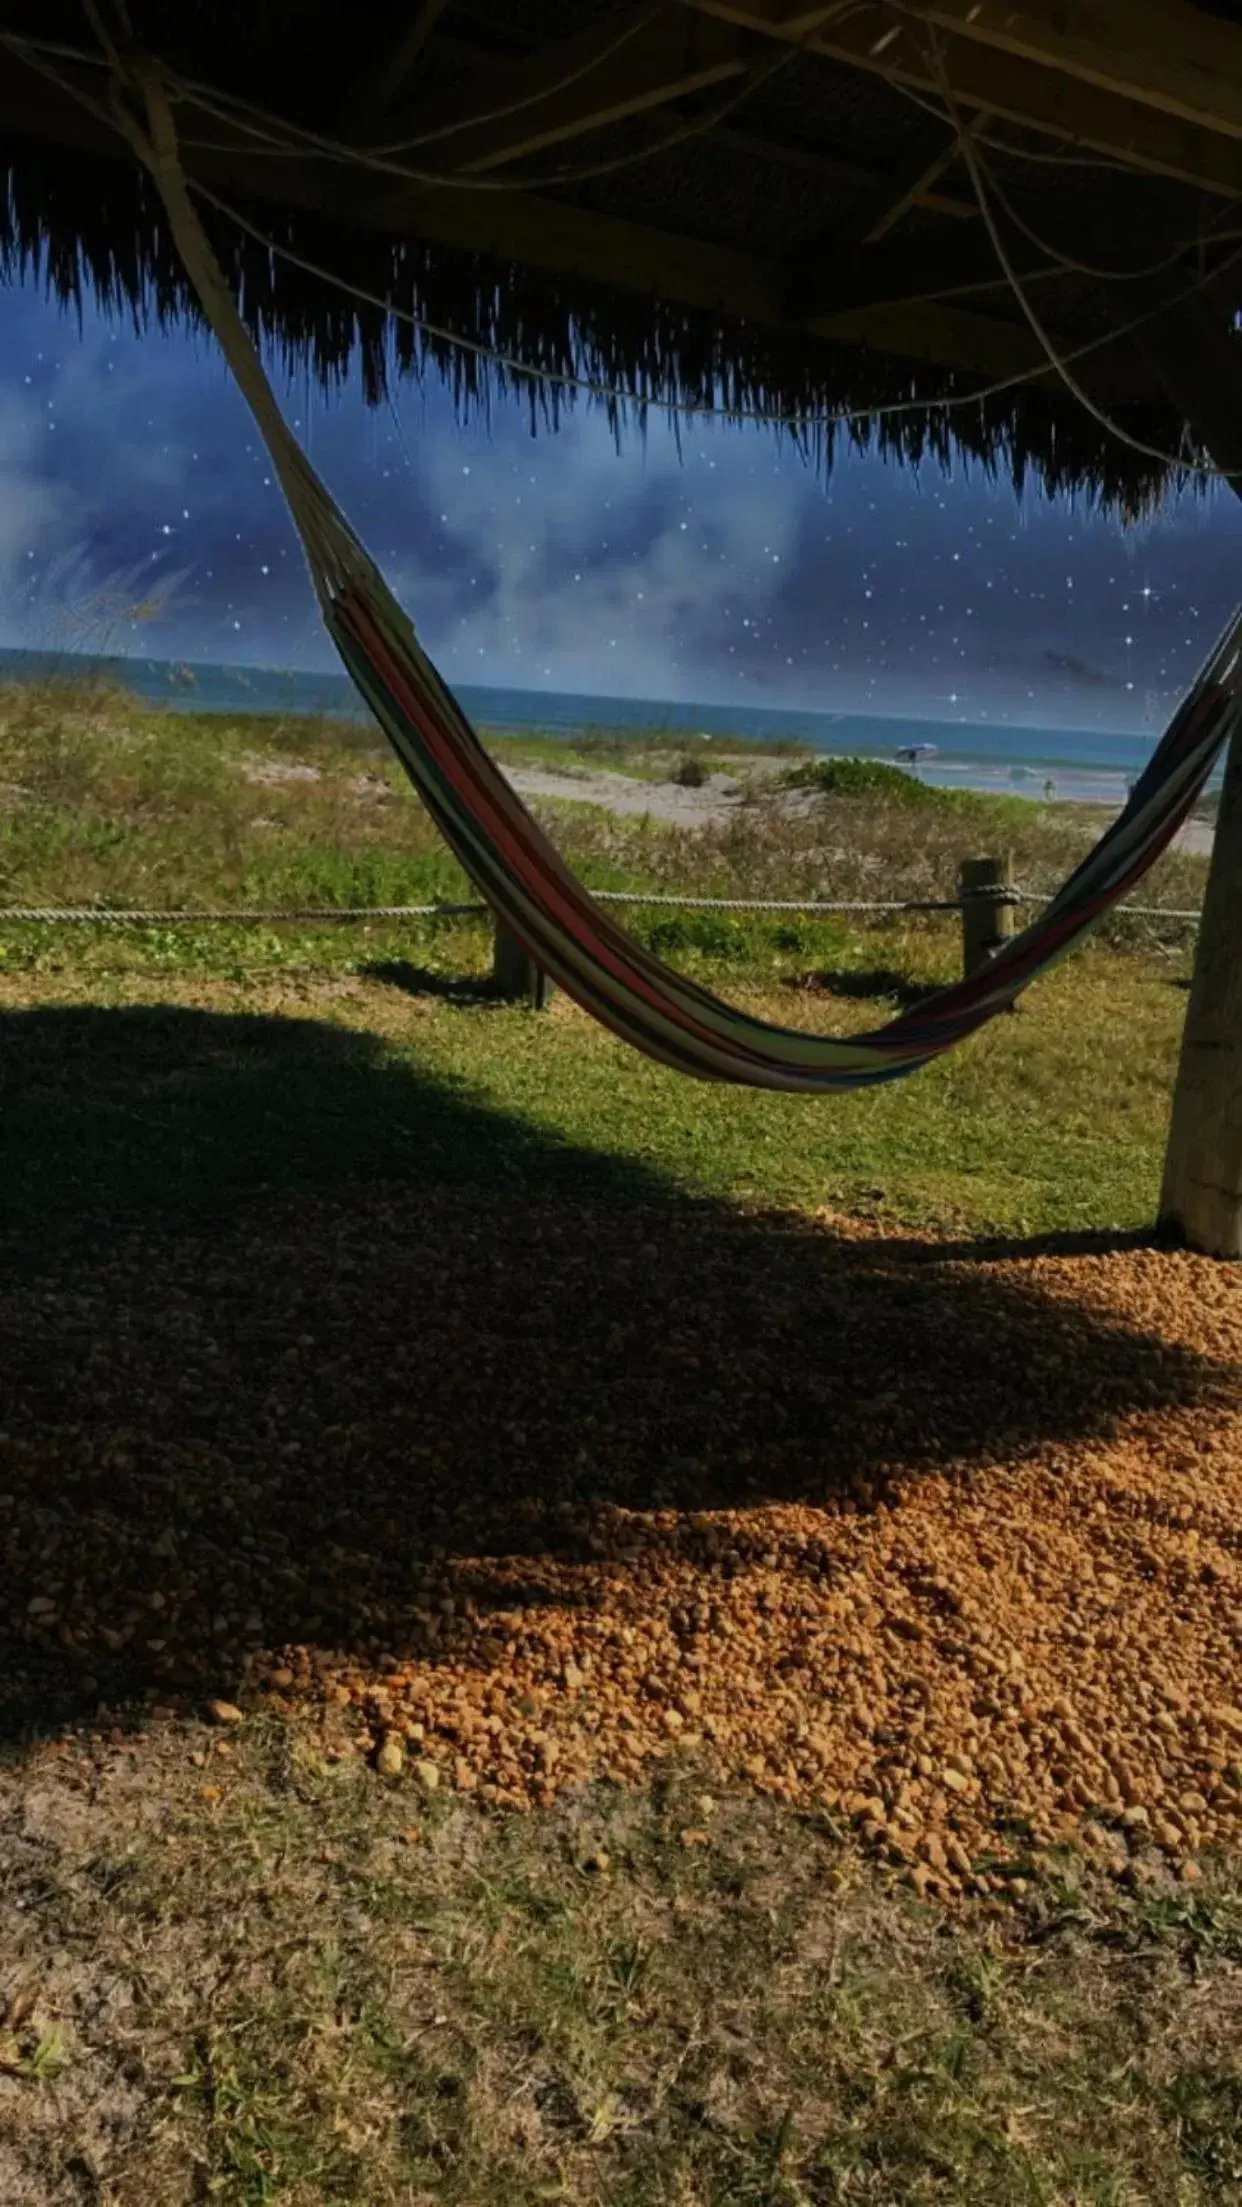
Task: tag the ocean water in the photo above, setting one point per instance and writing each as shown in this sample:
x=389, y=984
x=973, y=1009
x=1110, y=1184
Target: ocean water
x=1086, y=766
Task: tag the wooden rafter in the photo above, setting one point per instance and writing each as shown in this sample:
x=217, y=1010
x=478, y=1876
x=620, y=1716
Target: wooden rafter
x=380, y=85
x=879, y=188
x=847, y=276
x=1168, y=56
x=925, y=329
x=624, y=65
x=469, y=55
x=1036, y=95
x=927, y=167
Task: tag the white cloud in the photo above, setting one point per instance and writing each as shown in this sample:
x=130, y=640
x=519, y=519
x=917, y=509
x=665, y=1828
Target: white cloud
x=611, y=581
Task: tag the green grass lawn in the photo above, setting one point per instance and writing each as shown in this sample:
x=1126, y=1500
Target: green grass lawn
x=1051, y=1120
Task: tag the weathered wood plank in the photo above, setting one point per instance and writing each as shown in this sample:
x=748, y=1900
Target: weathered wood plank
x=1014, y=89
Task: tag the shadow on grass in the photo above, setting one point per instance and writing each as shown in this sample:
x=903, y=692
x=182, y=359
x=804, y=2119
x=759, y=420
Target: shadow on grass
x=879, y=982
x=283, y=1317
x=412, y=980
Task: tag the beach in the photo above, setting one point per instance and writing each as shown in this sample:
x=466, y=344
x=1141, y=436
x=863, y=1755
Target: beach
x=719, y=796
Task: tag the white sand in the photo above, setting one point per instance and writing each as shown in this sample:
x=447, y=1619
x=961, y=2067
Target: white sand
x=623, y=793
x=1196, y=838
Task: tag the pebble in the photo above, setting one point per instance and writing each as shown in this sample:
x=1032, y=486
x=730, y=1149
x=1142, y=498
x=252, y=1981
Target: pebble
x=390, y=1759
x=427, y=1775
x=224, y=1712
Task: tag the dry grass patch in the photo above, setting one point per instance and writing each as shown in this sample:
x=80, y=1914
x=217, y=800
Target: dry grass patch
x=267, y=1981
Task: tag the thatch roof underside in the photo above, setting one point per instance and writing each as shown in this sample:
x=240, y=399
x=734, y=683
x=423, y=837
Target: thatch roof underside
x=778, y=219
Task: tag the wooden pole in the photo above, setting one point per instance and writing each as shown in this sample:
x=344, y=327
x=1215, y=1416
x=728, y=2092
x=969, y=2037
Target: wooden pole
x=515, y=976
x=985, y=886
x=1201, y=1199
x=1199, y=360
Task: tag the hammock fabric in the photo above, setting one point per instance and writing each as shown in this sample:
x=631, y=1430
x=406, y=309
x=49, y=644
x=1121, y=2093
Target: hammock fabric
x=516, y=867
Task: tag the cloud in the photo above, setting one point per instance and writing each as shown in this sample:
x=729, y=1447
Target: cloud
x=607, y=574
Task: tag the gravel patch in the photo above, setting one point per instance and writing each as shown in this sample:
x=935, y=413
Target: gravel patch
x=511, y=1494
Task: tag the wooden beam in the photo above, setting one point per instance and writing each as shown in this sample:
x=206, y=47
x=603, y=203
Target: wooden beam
x=925, y=330
x=925, y=170
x=958, y=264
x=1199, y=360
x=846, y=276
x=786, y=153
x=624, y=65
x=1168, y=57
x=1014, y=89
x=526, y=228
x=376, y=90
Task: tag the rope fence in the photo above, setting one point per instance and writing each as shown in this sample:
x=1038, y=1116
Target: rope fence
x=988, y=900
x=53, y=915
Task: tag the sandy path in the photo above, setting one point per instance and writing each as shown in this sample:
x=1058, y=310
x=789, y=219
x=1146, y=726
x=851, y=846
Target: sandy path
x=622, y=793
x=1196, y=839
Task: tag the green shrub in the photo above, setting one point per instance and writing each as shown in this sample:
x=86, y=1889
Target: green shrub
x=690, y=773
x=712, y=934
x=863, y=778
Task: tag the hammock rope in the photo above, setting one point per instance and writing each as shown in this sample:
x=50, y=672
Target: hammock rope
x=513, y=863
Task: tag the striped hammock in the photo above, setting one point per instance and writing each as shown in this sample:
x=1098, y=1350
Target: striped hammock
x=517, y=868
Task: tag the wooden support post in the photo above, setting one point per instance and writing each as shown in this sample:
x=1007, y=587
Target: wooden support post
x=1201, y=1200
x=1198, y=358
x=515, y=976
x=985, y=886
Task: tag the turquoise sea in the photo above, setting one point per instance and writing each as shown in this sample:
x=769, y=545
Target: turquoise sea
x=1093, y=766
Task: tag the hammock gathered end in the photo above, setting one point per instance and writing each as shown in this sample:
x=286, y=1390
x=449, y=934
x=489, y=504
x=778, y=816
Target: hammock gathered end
x=517, y=868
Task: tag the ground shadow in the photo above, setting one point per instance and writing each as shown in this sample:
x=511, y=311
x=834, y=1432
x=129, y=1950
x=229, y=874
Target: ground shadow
x=880, y=982
x=282, y=1318
x=412, y=980
x=153, y=1111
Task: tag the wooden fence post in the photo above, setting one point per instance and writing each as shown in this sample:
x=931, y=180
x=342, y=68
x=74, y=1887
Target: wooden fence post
x=515, y=975
x=985, y=886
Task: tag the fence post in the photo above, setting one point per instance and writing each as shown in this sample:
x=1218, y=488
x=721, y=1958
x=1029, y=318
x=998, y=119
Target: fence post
x=984, y=885
x=515, y=976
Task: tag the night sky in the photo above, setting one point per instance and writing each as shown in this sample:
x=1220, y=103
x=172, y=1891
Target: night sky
x=129, y=474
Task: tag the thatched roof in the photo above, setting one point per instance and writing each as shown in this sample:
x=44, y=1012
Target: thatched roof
x=778, y=218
